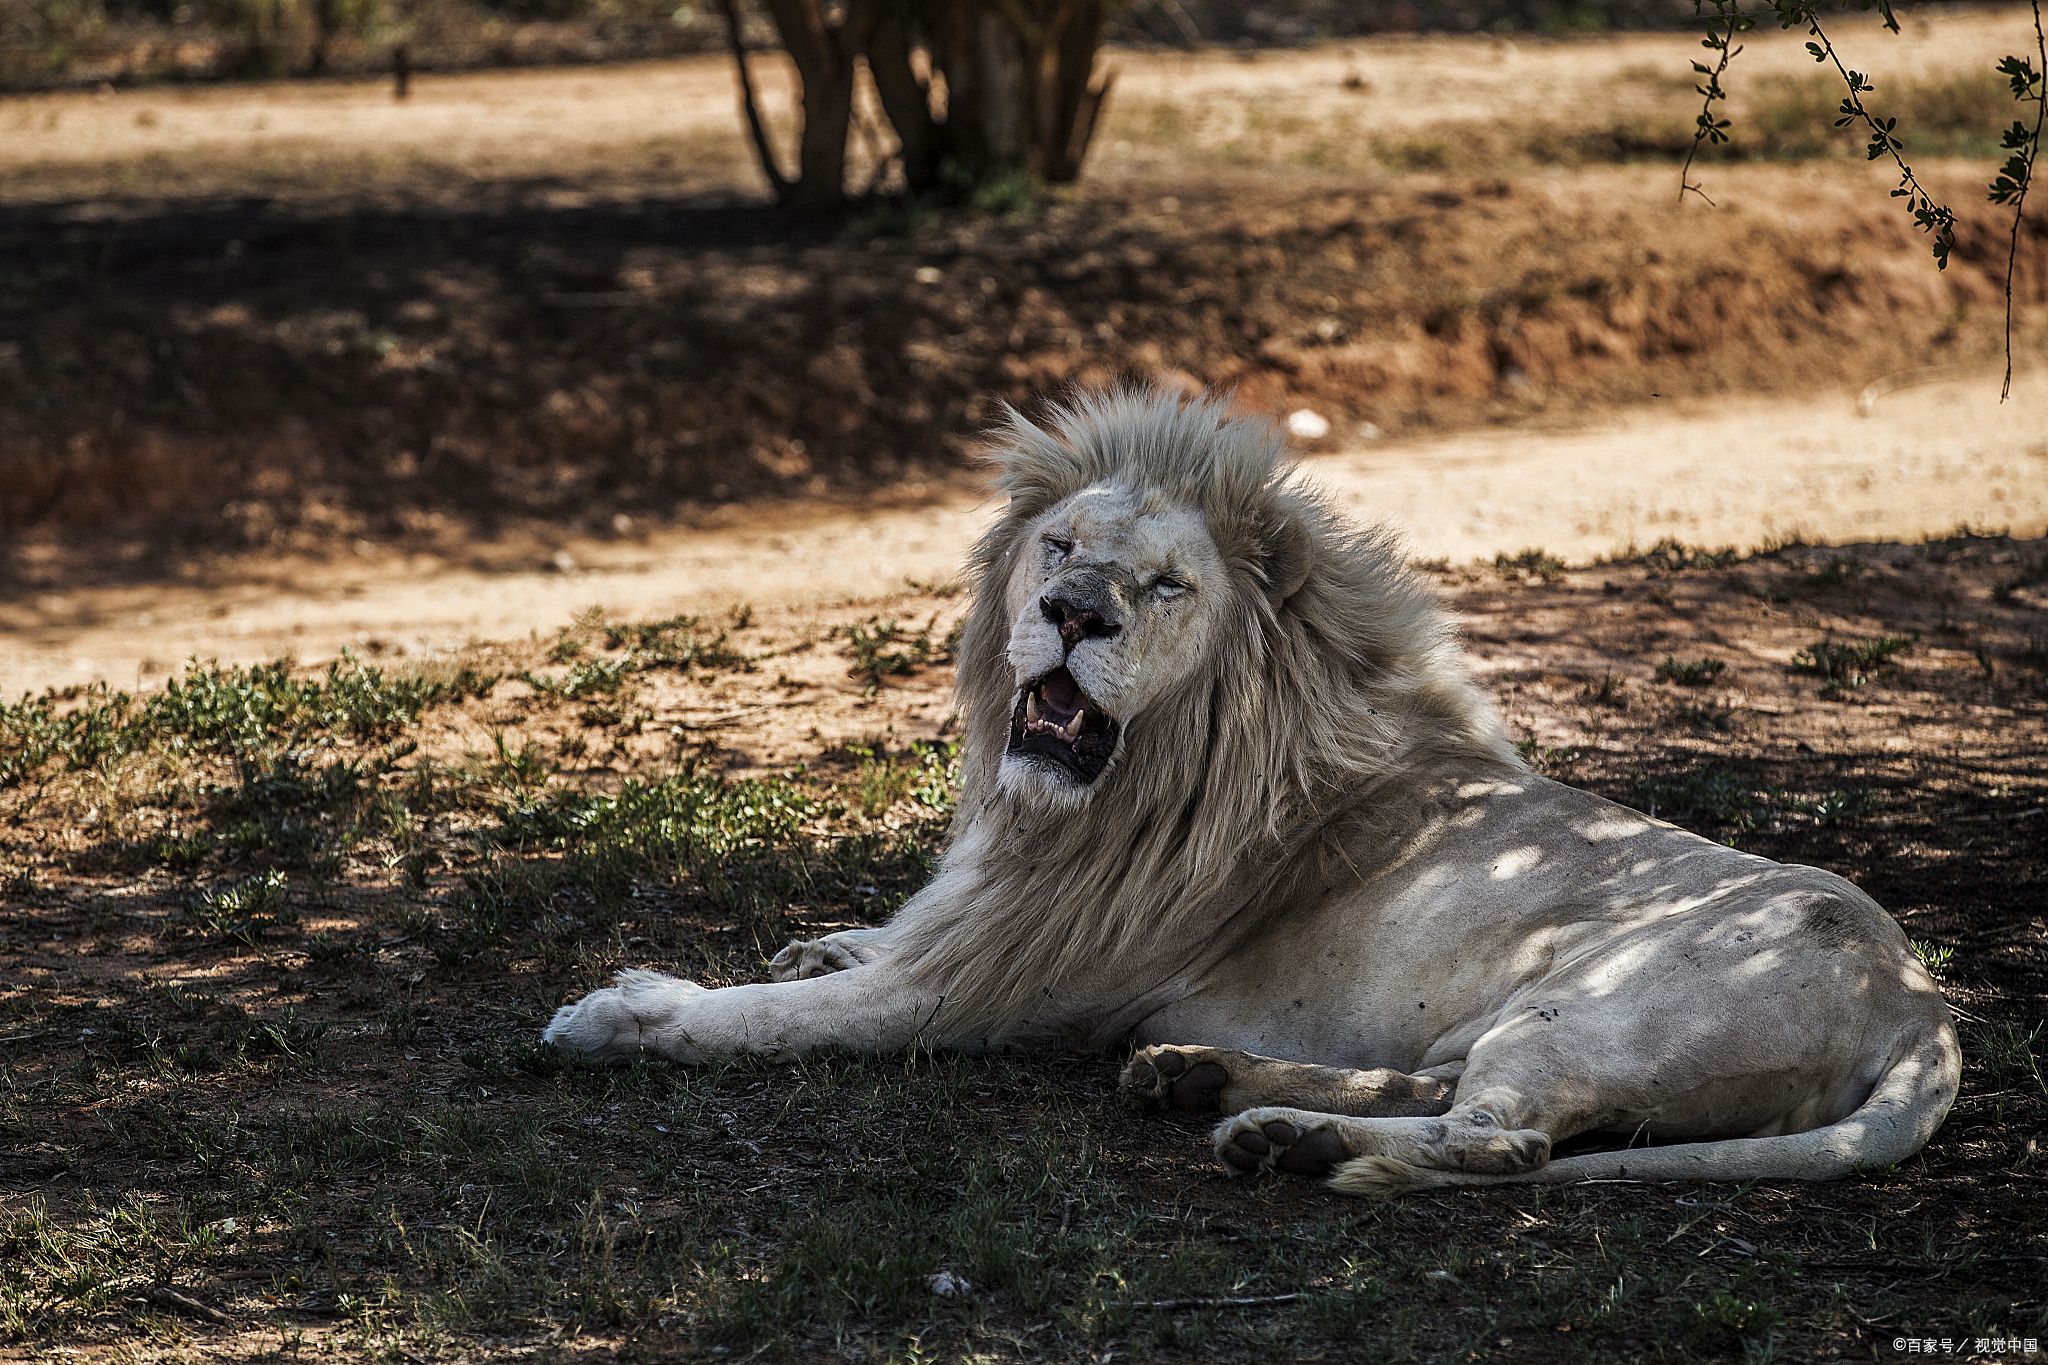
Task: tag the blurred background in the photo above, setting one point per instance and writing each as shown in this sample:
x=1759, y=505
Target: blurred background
x=329, y=318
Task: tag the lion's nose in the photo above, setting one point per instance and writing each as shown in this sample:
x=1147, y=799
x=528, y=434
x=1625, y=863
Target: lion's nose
x=1077, y=621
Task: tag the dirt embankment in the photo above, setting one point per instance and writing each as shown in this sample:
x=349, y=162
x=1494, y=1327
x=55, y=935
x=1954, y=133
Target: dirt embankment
x=260, y=377
x=290, y=317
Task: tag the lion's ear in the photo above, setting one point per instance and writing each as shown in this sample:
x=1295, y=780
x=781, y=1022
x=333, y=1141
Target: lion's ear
x=1289, y=555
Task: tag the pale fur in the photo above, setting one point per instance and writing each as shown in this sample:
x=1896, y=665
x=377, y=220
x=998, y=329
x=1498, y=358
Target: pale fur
x=1316, y=855
x=1286, y=726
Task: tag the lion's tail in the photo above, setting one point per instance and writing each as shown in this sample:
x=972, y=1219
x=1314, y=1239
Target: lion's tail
x=1901, y=1114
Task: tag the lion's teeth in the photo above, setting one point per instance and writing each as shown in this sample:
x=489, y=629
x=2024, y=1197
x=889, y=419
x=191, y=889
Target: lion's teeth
x=1073, y=727
x=1030, y=706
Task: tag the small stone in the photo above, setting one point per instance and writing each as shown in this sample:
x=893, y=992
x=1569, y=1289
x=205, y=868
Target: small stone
x=947, y=1285
x=1306, y=424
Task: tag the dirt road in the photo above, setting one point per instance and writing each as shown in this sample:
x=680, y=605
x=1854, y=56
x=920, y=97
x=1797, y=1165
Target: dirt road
x=1927, y=459
x=679, y=118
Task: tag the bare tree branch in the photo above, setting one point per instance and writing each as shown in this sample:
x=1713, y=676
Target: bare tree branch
x=764, y=150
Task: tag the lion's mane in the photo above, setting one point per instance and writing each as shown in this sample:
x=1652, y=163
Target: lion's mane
x=1319, y=710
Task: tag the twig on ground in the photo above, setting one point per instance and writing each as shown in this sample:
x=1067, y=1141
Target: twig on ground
x=163, y=1296
x=1999, y=817
x=1254, y=1301
x=727, y=718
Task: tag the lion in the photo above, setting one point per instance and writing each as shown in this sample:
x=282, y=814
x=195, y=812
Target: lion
x=1228, y=791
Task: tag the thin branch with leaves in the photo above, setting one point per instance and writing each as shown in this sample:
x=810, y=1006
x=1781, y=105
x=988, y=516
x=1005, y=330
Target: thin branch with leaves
x=1707, y=128
x=2022, y=147
x=1931, y=217
x=2021, y=143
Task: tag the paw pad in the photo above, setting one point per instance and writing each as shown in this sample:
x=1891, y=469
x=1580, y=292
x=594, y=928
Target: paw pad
x=1165, y=1076
x=1278, y=1145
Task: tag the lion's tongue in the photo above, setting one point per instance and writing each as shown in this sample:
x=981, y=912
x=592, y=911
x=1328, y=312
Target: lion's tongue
x=1059, y=697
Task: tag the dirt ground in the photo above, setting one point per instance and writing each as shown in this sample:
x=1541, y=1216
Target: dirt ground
x=680, y=116
x=1919, y=462
x=610, y=520
x=271, y=320
x=273, y=970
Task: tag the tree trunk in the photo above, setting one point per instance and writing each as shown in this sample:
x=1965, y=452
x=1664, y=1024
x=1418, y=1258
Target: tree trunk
x=750, y=106
x=1011, y=89
x=906, y=95
x=1074, y=95
x=1022, y=93
x=821, y=152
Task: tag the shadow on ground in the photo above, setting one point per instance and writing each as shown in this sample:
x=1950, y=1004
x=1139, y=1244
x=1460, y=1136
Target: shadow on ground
x=179, y=378
x=277, y=947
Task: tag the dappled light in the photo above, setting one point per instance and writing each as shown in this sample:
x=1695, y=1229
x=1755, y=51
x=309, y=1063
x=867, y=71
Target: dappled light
x=528, y=829
x=202, y=968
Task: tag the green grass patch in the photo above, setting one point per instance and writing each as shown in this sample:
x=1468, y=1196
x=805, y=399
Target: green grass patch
x=584, y=678
x=1937, y=958
x=212, y=709
x=1722, y=801
x=1850, y=663
x=1529, y=565
x=1671, y=555
x=603, y=655
x=1690, y=672
x=244, y=911
x=881, y=649
x=1793, y=117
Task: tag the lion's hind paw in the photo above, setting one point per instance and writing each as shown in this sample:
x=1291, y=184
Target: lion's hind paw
x=1189, y=1079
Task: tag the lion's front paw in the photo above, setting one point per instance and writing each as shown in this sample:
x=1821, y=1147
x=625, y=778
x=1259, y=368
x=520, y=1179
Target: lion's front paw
x=1188, y=1078
x=1287, y=1140
x=639, y=1011
x=810, y=957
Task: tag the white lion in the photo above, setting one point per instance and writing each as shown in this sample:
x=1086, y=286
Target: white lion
x=1228, y=790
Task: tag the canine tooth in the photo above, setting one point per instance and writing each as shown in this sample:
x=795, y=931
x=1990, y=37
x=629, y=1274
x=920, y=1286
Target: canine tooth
x=1073, y=727
x=1030, y=707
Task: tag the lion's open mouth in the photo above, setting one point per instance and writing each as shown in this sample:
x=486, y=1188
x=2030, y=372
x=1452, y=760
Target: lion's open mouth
x=1055, y=720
